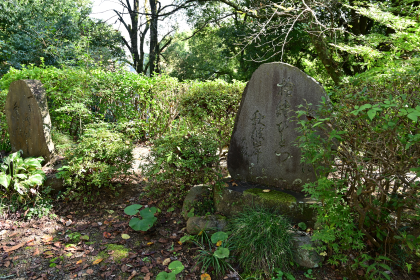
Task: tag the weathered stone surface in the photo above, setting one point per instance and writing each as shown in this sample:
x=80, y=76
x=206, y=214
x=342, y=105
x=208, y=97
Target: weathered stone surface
x=262, y=145
x=294, y=205
x=197, y=224
x=28, y=119
x=191, y=197
x=51, y=170
x=304, y=257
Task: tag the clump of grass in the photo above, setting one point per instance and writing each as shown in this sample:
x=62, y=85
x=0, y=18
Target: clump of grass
x=262, y=239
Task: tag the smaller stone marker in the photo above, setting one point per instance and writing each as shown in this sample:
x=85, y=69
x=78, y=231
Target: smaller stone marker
x=262, y=145
x=28, y=119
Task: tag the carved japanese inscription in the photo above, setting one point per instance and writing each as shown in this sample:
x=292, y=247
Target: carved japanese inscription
x=262, y=146
x=28, y=119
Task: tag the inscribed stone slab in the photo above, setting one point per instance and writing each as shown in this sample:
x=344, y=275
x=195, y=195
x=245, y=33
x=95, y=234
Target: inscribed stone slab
x=262, y=145
x=28, y=119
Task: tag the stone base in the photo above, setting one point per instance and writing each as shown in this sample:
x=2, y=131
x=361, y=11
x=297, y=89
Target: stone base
x=51, y=180
x=234, y=196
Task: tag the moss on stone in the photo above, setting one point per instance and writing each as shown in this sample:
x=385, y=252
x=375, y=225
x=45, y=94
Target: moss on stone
x=273, y=195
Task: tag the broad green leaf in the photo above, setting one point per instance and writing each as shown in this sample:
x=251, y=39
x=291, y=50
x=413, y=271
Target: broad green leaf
x=5, y=180
x=221, y=253
x=134, y=223
x=366, y=106
x=176, y=267
x=166, y=276
x=371, y=114
x=413, y=116
x=33, y=162
x=35, y=179
x=132, y=209
x=302, y=225
x=21, y=176
x=147, y=213
x=220, y=235
x=143, y=225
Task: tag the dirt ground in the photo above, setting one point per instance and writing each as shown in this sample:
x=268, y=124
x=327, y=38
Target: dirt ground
x=85, y=241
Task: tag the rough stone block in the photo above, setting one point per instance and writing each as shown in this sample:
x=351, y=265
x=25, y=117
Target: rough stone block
x=28, y=119
x=262, y=146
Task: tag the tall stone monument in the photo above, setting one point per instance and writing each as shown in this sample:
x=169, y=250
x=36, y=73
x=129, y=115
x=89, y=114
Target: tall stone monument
x=28, y=119
x=262, y=145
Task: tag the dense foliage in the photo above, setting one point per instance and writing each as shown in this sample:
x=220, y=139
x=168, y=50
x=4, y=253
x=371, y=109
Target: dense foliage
x=58, y=31
x=373, y=188
x=364, y=145
x=100, y=156
x=210, y=108
x=20, y=178
x=178, y=162
x=141, y=106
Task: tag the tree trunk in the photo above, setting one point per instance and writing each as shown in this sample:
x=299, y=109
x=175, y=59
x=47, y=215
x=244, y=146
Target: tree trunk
x=324, y=54
x=153, y=37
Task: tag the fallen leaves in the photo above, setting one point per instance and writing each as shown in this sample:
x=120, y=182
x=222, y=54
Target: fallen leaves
x=97, y=261
x=144, y=269
x=106, y=234
x=36, y=253
x=84, y=237
x=47, y=238
x=125, y=236
x=9, y=249
x=166, y=261
x=134, y=273
x=205, y=276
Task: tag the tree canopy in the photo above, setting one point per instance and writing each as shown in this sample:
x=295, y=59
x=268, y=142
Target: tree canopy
x=59, y=31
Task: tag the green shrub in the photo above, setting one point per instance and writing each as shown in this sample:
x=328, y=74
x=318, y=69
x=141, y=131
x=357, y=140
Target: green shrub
x=178, y=162
x=210, y=107
x=4, y=134
x=78, y=96
x=262, y=241
x=62, y=142
x=20, y=178
x=372, y=149
x=100, y=156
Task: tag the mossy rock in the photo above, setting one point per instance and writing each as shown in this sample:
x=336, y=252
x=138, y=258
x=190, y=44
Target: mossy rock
x=212, y=222
x=230, y=202
x=272, y=195
x=192, y=197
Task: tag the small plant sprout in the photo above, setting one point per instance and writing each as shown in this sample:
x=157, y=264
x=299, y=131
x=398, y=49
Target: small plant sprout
x=148, y=215
x=175, y=267
x=216, y=254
